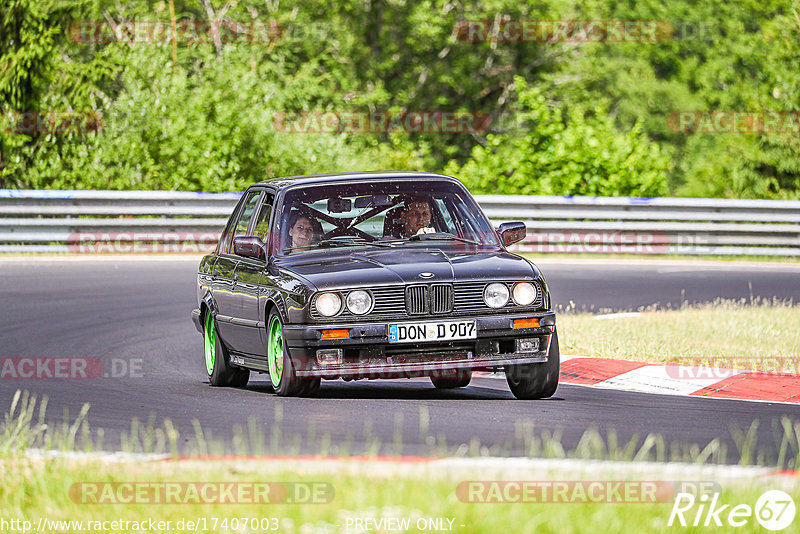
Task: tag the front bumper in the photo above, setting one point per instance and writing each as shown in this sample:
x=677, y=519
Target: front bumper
x=367, y=353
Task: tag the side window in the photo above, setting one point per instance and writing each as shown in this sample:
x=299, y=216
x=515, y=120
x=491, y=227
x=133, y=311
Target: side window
x=239, y=226
x=261, y=228
x=247, y=213
x=225, y=238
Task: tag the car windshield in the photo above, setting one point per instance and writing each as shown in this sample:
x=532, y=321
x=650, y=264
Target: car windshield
x=383, y=214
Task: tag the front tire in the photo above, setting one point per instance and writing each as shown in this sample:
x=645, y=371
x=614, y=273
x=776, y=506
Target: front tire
x=536, y=380
x=281, y=370
x=220, y=371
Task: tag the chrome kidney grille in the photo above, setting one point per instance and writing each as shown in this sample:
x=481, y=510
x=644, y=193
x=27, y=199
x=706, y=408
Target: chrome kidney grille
x=416, y=300
x=441, y=298
x=433, y=299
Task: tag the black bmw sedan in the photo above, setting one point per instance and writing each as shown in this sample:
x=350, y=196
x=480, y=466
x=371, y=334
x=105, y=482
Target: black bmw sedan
x=372, y=275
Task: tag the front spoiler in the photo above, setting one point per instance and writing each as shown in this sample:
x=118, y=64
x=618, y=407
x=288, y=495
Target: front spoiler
x=416, y=369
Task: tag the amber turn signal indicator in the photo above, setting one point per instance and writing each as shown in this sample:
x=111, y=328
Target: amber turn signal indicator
x=525, y=323
x=342, y=334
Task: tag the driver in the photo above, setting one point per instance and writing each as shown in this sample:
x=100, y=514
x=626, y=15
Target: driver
x=416, y=216
x=303, y=231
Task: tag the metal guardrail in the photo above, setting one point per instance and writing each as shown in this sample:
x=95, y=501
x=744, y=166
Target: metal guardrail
x=82, y=221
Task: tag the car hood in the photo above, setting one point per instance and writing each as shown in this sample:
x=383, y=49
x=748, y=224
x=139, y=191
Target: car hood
x=369, y=268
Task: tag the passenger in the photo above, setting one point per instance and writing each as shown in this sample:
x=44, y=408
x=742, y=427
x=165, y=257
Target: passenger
x=304, y=231
x=415, y=218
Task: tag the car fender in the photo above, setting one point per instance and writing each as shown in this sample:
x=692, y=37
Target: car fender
x=206, y=302
x=274, y=299
x=210, y=303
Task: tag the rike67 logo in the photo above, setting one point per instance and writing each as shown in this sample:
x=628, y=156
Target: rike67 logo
x=774, y=510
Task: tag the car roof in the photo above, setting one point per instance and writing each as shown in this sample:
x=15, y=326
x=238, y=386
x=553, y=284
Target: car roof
x=280, y=183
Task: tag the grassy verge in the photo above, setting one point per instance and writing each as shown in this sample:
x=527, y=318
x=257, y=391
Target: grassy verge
x=142, y=494
x=710, y=334
x=56, y=490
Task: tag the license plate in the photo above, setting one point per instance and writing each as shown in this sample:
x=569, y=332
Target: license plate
x=438, y=331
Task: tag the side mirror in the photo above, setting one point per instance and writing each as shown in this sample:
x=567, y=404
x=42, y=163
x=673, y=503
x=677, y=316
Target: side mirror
x=512, y=232
x=249, y=247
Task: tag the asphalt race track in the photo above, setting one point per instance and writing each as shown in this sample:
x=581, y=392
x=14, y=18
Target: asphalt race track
x=133, y=315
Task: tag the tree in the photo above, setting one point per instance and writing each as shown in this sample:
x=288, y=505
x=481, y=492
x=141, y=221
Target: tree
x=564, y=151
x=43, y=75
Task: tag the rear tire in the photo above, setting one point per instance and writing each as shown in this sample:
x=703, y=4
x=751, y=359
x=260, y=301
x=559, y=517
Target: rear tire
x=281, y=369
x=458, y=378
x=536, y=380
x=220, y=371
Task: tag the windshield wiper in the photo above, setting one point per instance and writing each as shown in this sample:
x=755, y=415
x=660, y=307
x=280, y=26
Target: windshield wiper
x=324, y=243
x=334, y=242
x=438, y=236
x=337, y=242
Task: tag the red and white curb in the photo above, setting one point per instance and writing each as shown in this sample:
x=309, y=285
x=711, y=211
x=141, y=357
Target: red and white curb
x=513, y=468
x=709, y=382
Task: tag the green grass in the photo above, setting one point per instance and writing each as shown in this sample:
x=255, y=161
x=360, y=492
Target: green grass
x=36, y=486
x=762, y=335
x=33, y=489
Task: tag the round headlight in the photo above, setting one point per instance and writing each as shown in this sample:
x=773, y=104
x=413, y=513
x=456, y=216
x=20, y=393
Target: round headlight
x=328, y=304
x=524, y=293
x=495, y=295
x=359, y=302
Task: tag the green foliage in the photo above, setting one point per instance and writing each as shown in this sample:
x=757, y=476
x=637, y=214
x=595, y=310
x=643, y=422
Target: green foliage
x=29, y=38
x=566, y=118
x=576, y=151
x=738, y=56
x=197, y=128
x=42, y=71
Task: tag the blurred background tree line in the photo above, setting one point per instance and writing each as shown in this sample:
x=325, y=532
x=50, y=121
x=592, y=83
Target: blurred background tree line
x=567, y=118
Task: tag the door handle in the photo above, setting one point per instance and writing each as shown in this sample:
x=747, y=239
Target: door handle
x=235, y=277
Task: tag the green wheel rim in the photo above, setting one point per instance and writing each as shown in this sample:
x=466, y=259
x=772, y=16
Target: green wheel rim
x=209, y=342
x=275, y=351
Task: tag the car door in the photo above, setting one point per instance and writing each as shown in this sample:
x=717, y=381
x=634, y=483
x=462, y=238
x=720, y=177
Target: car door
x=224, y=277
x=249, y=321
